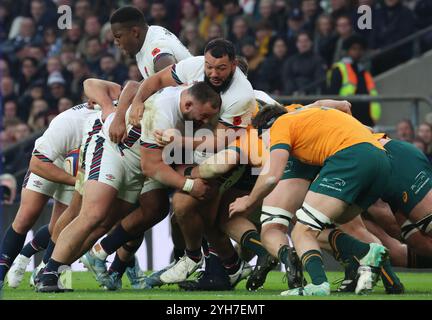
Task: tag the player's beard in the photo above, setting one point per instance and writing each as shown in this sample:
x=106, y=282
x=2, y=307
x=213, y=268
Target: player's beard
x=223, y=87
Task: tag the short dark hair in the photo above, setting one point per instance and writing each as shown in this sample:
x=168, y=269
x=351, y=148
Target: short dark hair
x=242, y=64
x=267, y=116
x=221, y=47
x=202, y=92
x=354, y=39
x=128, y=15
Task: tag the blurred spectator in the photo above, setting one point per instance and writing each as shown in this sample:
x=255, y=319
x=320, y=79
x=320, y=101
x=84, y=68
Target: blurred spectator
x=7, y=88
x=310, y=10
x=73, y=35
x=270, y=75
x=10, y=110
x=295, y=25
x=192, y=40
x=37, y=52
x=405, y=130
x=29, y=74
x=143, y=5
x=56, y=88
x=111, y=70
x=80, y=72
x=4, y=67
x=268, y=15
x=38, y=108
x=340, y=8
x=424, y=133
x=215, y=31
x=158, y=15
x=107, y=41
x=349, y=77
x=93, y=54
x=64, y=104
x=26, y=36
x=392, y=22
x=240, y=31
x=325, y=39
x=212, y=14
x=189, y=15
x=232, y=10
x=51, y=42
x=42, y=17
x=92, y=30
x=344, y=30
x=134, y=73
x=21, y=131
x=250, y=51
x=303, y=68
x=82, y=9
x=34, y=92
x=68, y=54
x=8, y=187
x=263, y=35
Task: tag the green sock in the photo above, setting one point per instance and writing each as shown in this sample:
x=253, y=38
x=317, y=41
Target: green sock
x=344, y=246
x=251, y=240
x=283, y=254
x=388, y=276
x=312, y=261
x=351, y=267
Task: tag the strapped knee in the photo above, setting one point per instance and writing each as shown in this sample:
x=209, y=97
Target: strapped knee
x=425, y=224
x=313, y=218
x=408, y=229
x=275, y=215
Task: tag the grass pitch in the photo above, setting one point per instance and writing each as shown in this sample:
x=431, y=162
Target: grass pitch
x=418, y=286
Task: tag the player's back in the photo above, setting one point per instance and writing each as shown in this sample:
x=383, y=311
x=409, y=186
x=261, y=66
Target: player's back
x=318, y=133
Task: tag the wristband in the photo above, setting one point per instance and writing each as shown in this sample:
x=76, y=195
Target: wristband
x=188, y=185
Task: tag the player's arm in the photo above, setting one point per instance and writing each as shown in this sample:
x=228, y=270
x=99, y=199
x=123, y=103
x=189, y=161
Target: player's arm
x=147, y=88
x=217, y=165
x=266, y=182
x=117, y=130
x=45, y=168
x=153, y=166
x=341, y=105
x=103, y=93
x=162, y=61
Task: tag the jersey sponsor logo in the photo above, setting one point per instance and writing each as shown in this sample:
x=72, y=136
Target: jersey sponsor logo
x=420, y=181
x=155, y=51
x=405, y=197
x=237, y=120
x=37, y=183
x=333, y=183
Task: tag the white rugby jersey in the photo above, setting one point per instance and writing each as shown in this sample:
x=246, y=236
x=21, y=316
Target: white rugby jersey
x=162, y=111
x=158, y=42
x=238, y=101
x=65, y=133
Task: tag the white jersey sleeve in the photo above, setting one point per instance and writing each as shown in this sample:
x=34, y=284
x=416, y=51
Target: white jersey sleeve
x=189, y=70
x=52, y=144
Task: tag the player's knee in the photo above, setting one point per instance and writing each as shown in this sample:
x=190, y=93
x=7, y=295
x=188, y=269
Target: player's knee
x=24, y=221
x=311, y=218
x=274, y=216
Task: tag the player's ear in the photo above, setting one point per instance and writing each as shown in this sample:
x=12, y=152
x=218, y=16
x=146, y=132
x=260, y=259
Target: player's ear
x=188, y=105
x=135, y=31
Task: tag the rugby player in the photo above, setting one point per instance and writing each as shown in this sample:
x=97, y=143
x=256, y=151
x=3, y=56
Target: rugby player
x=338, y=194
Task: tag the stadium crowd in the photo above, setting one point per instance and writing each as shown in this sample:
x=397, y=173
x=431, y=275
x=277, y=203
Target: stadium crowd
x=288, y=44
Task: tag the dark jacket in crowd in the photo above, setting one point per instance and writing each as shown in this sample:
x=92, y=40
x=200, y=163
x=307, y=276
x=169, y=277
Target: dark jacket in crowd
x=389, y=25
x=302, y=70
